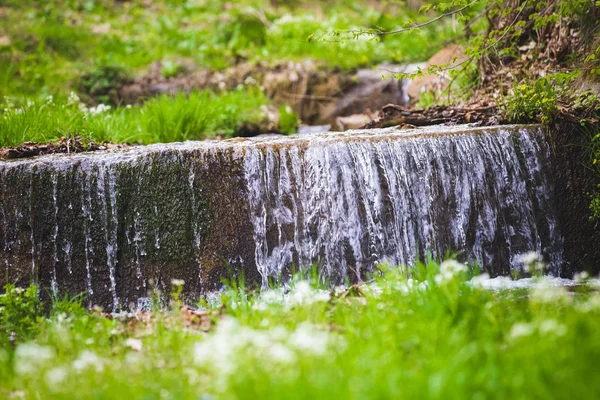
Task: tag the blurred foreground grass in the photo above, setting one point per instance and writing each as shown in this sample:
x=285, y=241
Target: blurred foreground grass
x=435, y=334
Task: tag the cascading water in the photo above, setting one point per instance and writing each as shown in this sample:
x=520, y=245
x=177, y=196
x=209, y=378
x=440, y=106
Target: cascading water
x=115, y=224
x=347, y=205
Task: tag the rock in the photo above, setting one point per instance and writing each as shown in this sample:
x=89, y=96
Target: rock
x=5, y=41
x=353, y=121
x=437, y=83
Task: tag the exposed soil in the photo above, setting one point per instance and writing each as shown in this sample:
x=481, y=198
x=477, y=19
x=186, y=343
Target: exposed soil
x=64, y=145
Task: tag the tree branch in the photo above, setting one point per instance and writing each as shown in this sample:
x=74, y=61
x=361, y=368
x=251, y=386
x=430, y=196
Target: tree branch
x=493, y=44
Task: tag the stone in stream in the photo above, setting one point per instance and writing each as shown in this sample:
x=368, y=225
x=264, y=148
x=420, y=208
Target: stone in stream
x=112, y=224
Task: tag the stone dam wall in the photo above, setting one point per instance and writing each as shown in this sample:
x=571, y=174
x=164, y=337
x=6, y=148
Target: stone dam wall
x=115, y=224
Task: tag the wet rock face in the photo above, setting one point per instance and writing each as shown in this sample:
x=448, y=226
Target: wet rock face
x=575, y=181
x=109, y=224
x=115, y=224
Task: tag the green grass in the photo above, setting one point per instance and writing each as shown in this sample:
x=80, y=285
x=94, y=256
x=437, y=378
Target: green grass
x=424, y=337
x=91, y=48
x=200, y=115
x=53, y=46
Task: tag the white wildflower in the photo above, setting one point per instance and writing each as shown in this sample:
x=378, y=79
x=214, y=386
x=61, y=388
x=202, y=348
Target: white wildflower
x=222, y=85
x=531, y=262
x=219, y=349
x=547, y=293
x=281, y=353
x=581, y=277
x=307, y=339
x=449, y=269
x=250, y=81
x=372, y=289
x=134, y=344
x=521, y=329
x=480, y=281
x=222, y=351
x=591, y=304
x=528, y=258
x=73, y=99
x=177, y=282
x=268, y=298
x=452, y=266
x=303, y=294
x=56, y=376
x=552, y=326
x=404, y=287
x=49, y=99
x=29, y=357
x=88, y=360
x=594, y=283
x=99, y=109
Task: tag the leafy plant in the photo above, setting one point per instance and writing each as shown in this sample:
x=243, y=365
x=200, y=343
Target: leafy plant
x=19, y=312
x=526, y=103
x=103, y=82
x=288, y=120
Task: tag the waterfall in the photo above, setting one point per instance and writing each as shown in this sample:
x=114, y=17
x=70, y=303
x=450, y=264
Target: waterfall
x=347, y=205
x=116, y=224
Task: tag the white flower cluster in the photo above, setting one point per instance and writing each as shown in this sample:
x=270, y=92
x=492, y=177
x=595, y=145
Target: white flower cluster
x=449, y=269
x=301, y=293
x=545, y=327
x=233, y=344
x=88, y=360
x=581, y=277
x=99, y=109
x=531, y=262
x=74, y=100
x=590, y=305
x=546, y=292
x=409, y=285
x=30, y=357
x=480, y=281
x=10, y=109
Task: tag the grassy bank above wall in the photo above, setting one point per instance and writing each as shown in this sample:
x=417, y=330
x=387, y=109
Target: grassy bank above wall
x=200, y=115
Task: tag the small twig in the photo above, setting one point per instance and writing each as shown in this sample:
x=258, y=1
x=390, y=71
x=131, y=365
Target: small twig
x=480, y=15
x=431, y=21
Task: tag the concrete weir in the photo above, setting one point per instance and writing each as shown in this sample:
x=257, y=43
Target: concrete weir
x=114, y=224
